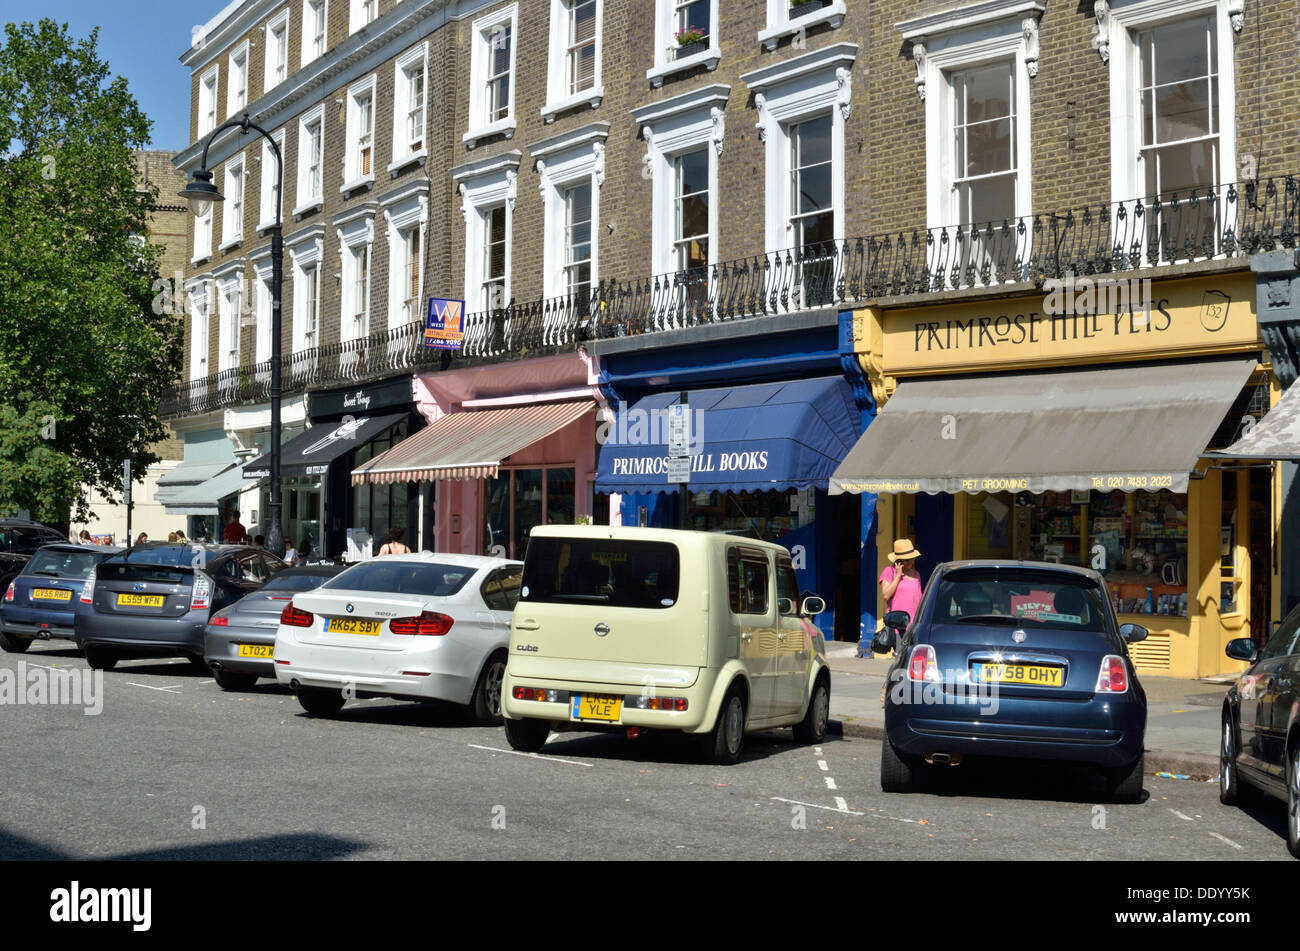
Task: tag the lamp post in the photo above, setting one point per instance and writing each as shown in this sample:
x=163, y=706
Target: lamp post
x=201, y=194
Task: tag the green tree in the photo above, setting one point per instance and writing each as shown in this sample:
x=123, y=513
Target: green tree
x=83, y=356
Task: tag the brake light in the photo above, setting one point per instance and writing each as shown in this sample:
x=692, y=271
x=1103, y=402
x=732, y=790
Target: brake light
x=201, y=592
x=88, y=589
x=428, y=623
x=219, y=620
x=922, y=666
x=1113, y=677
x=536, y=693
x=295, y=618
x=9, y=592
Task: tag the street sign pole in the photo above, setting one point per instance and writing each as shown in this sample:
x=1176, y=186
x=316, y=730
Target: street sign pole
x=126, y=494
x=679, y=454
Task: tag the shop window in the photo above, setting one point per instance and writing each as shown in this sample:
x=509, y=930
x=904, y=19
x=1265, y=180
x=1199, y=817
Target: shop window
x=516, y=501
x=766, y=515
x=1229, y=575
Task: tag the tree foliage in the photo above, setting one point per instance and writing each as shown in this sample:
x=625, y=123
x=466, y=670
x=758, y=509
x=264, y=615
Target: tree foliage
x=79, y=339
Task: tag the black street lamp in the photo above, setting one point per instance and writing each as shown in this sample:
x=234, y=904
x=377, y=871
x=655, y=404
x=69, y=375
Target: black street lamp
x=201, y=194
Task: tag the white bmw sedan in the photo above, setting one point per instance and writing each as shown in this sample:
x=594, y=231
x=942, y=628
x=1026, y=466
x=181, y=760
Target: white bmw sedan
x=416, y=627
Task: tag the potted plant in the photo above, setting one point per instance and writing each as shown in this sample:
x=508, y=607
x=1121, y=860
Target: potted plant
x=691, y=40
x=800, y=7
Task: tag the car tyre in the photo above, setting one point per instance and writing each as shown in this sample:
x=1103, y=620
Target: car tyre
x=723, y=744
x=100, y=659
x=813, y=728
x=1231, y=791
x=485, y=705
x=229, y=680
x=14, y=645
x=321, y=701
x=527, y=736
x=1293, y=802
x=899, y=772
x=1125, y=782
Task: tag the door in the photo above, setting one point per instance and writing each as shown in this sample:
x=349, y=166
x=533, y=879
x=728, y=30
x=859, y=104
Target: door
x=1259, y=693
x=794, y=652
x=749, y=586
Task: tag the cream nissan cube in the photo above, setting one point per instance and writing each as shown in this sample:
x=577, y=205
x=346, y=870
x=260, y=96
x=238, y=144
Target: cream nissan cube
x=636, y=629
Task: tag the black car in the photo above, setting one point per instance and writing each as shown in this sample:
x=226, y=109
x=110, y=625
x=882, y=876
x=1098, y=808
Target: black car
x=19, y=540
x=155, y=599
x=1259, y=749
x=1014, y=659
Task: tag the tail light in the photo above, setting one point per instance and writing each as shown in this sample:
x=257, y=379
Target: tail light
x=537, y=693
x=1113, y=677
x=295, y=618
x=922, y=666
x=428, y=623
x=219, y=620
x=200, y=592
x=88, y=589
x=9, y=592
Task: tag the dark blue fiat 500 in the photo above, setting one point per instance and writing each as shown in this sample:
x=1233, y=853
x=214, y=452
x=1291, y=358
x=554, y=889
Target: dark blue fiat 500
x=1014, y=659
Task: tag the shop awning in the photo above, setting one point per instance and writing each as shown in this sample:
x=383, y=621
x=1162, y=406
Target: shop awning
x=754, y=438
x=469, y=444
x=1276, y=436
x=311, y=453
x=206, y=497
x=188, y=475
x=1121, y=427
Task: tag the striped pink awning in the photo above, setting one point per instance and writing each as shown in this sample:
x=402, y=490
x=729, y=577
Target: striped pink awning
x=470, y=444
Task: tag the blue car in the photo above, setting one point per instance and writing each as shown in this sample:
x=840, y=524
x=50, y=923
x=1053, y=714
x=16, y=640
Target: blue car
x=1014, y=659
x=42, y=601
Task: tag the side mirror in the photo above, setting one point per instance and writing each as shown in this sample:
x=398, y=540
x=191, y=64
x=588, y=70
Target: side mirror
x=1242, y=648
x=812, y=606
x=785, y=606
x=1133, y=632
x=898, y=620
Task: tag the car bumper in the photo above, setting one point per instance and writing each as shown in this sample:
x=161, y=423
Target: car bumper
x=32, y=625
x=441, y=671
x=221, y=649
x=142, y=635
x=696, y=717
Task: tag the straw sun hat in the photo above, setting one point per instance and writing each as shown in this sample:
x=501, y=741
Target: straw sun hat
x=903, y=551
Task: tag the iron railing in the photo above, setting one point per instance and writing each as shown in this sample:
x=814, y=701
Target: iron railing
x=1232, y=221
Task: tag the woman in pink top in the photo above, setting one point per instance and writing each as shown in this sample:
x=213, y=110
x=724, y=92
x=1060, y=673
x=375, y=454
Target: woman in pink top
x=899, y=583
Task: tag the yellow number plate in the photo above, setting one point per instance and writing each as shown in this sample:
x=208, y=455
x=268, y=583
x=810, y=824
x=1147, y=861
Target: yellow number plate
x=1032, y=676
x=351, y=625
x=257, y=650
x=595, y=707
x=140, y=600
x=50, y=594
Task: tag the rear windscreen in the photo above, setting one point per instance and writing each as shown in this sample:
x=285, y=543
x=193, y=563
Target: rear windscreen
x=403, y=577
x=53, y=563
x=983, y=596
x=625, y=574
x=155, y=574
x=288, y=581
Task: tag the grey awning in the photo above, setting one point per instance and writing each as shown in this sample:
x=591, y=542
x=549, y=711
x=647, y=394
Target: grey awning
x=1141, y=426
x=206, y=497
x=189, y=474
x=1276, y=436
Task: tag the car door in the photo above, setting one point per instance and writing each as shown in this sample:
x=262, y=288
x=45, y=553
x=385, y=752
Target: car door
x=1258, y=693
x=500, y=592
x=749, y=585
x=794, y=652
x=1277, y=692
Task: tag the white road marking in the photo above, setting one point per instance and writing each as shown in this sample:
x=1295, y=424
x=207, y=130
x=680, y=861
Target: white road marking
x=544, y=759
x=813, y=805
x=1225, y=839
x=841, y=804
x=1181, y=816
x=830, y=783
x=817, y=750
x=43, y=666
x=878, y=815
x=821, y=763
x=148, y=687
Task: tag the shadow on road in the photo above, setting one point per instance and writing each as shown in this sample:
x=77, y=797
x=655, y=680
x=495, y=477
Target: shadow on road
x=1019, y=779
x=666, y=748
x=301, y=847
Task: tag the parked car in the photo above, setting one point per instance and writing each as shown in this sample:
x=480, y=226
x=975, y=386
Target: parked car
x=19, y=540
x=239, y=642
x=414, y=627
x=155, y=599
x=621, y=629
x=1260, y=748
x=1014, y=659
x=42, y=600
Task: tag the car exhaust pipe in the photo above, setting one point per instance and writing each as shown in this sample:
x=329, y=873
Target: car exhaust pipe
x=215, y=664
x=293, y=684
x=944, y=759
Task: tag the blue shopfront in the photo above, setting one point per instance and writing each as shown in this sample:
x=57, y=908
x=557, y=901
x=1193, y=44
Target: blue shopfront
x=772, y=412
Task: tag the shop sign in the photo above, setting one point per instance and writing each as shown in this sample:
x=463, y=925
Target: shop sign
x=361, y=400
x=444, y=324
x=1082, y=320
x=748, y=461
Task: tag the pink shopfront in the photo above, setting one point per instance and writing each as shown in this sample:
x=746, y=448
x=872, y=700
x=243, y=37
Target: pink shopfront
x=508, y=446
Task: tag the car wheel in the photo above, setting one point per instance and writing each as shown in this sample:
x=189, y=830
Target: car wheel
x=1125, y=783
x=1231, y=791
x=813, y=727
x=321, y=701
x=14, y=645
x=899, y=772
x=485, y=705
x=100, y=659
x=527, y=736
x=724, y=743
x=228, y=680
x=1293, y=803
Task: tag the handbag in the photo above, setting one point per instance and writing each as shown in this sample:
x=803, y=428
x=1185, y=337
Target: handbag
x=883, y=642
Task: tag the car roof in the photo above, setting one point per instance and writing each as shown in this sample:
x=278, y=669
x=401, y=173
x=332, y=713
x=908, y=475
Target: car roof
x=1048, y=566
x=674, y=536
x=77, y=546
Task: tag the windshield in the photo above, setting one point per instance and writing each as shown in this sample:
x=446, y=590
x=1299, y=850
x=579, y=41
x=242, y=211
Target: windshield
x=403, y=577
x=291, y=581
x=56, y=563
x=626, y=574
x=1021, y=598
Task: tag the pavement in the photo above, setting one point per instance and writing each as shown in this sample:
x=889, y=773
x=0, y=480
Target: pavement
x=1182, y=715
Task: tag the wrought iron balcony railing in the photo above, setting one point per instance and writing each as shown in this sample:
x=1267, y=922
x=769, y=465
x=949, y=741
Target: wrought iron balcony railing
x=1232, y=221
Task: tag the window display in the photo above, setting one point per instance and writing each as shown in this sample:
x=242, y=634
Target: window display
x=767, y=515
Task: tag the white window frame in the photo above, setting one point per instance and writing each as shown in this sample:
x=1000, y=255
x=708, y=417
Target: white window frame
x=356, y=234
x=306, y=251
x=1126, y=19
x=235, y=206
x=558, y=97
x=665, y=63
x=357, y=14
x=281, y=19
x=405, y=211
x=237, y=80
x=262, y=275
x=780, y=24
x=403, y=153
x=786, y=94
x=228, y=283
x=309, y=51
x=353, y=176
x=562, y=162
x=200, y=327
x=203, y=237
x=483, y=186
x=307, y=200
x=208, y=84
x=268, y=171
x=960, y=39
x=480, y=59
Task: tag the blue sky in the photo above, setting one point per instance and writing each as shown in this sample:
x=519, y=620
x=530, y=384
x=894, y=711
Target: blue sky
x=141, y=40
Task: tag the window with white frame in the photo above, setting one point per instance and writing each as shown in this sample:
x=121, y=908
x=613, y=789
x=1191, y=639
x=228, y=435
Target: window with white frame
x=271, y=175
x=277, y=49
x=358, y=162
x=406, y=213
x=229, y=302
x=811, y=205
x=492, y=66
x=686, y=36
x=571, y=172
x=307, y=252
x=232, y=211
x=494, y=274
x=237, y=81
x=488, y=189
x=356, y=232
x=364, y=13
x=202, y=237
x=199, y=329
x=789, y=17
x=691, y=203
x=208, y=100
x=262, y=308
x=410, y=91
x=314, y=24
x=574, y=77
x=311, y=139
x=983, y=144
x=411, y=274
x=578, y=240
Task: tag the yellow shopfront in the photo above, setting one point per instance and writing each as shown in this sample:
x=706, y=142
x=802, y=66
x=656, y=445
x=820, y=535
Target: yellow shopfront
x=1072, y=427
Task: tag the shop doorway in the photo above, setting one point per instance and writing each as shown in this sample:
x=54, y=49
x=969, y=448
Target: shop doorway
x=846, y=599
x=932, y=532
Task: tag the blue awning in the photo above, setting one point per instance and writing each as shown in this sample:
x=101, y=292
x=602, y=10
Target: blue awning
x=755, y=438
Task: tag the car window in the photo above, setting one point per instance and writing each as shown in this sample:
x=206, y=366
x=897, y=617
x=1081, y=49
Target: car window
x=56, y=563
x=747, y=577
x=613, y=572
x=501, y=590
x=159, y=574
x=1283, y=641
x=295, y=581
x=253, y=568
x=787, y=583
x=22, y=541
x=1020, y=597
x=403, y=577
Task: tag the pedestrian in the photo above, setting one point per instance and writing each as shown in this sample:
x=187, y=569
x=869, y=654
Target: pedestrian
x=180, y=536
x=85, y=538
x=901, y=585
x=171, y=538
x=304, y=550
x=235, y=531
x=290, y=556
x=395, y=545
x=141, y=539
x=259, y=541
